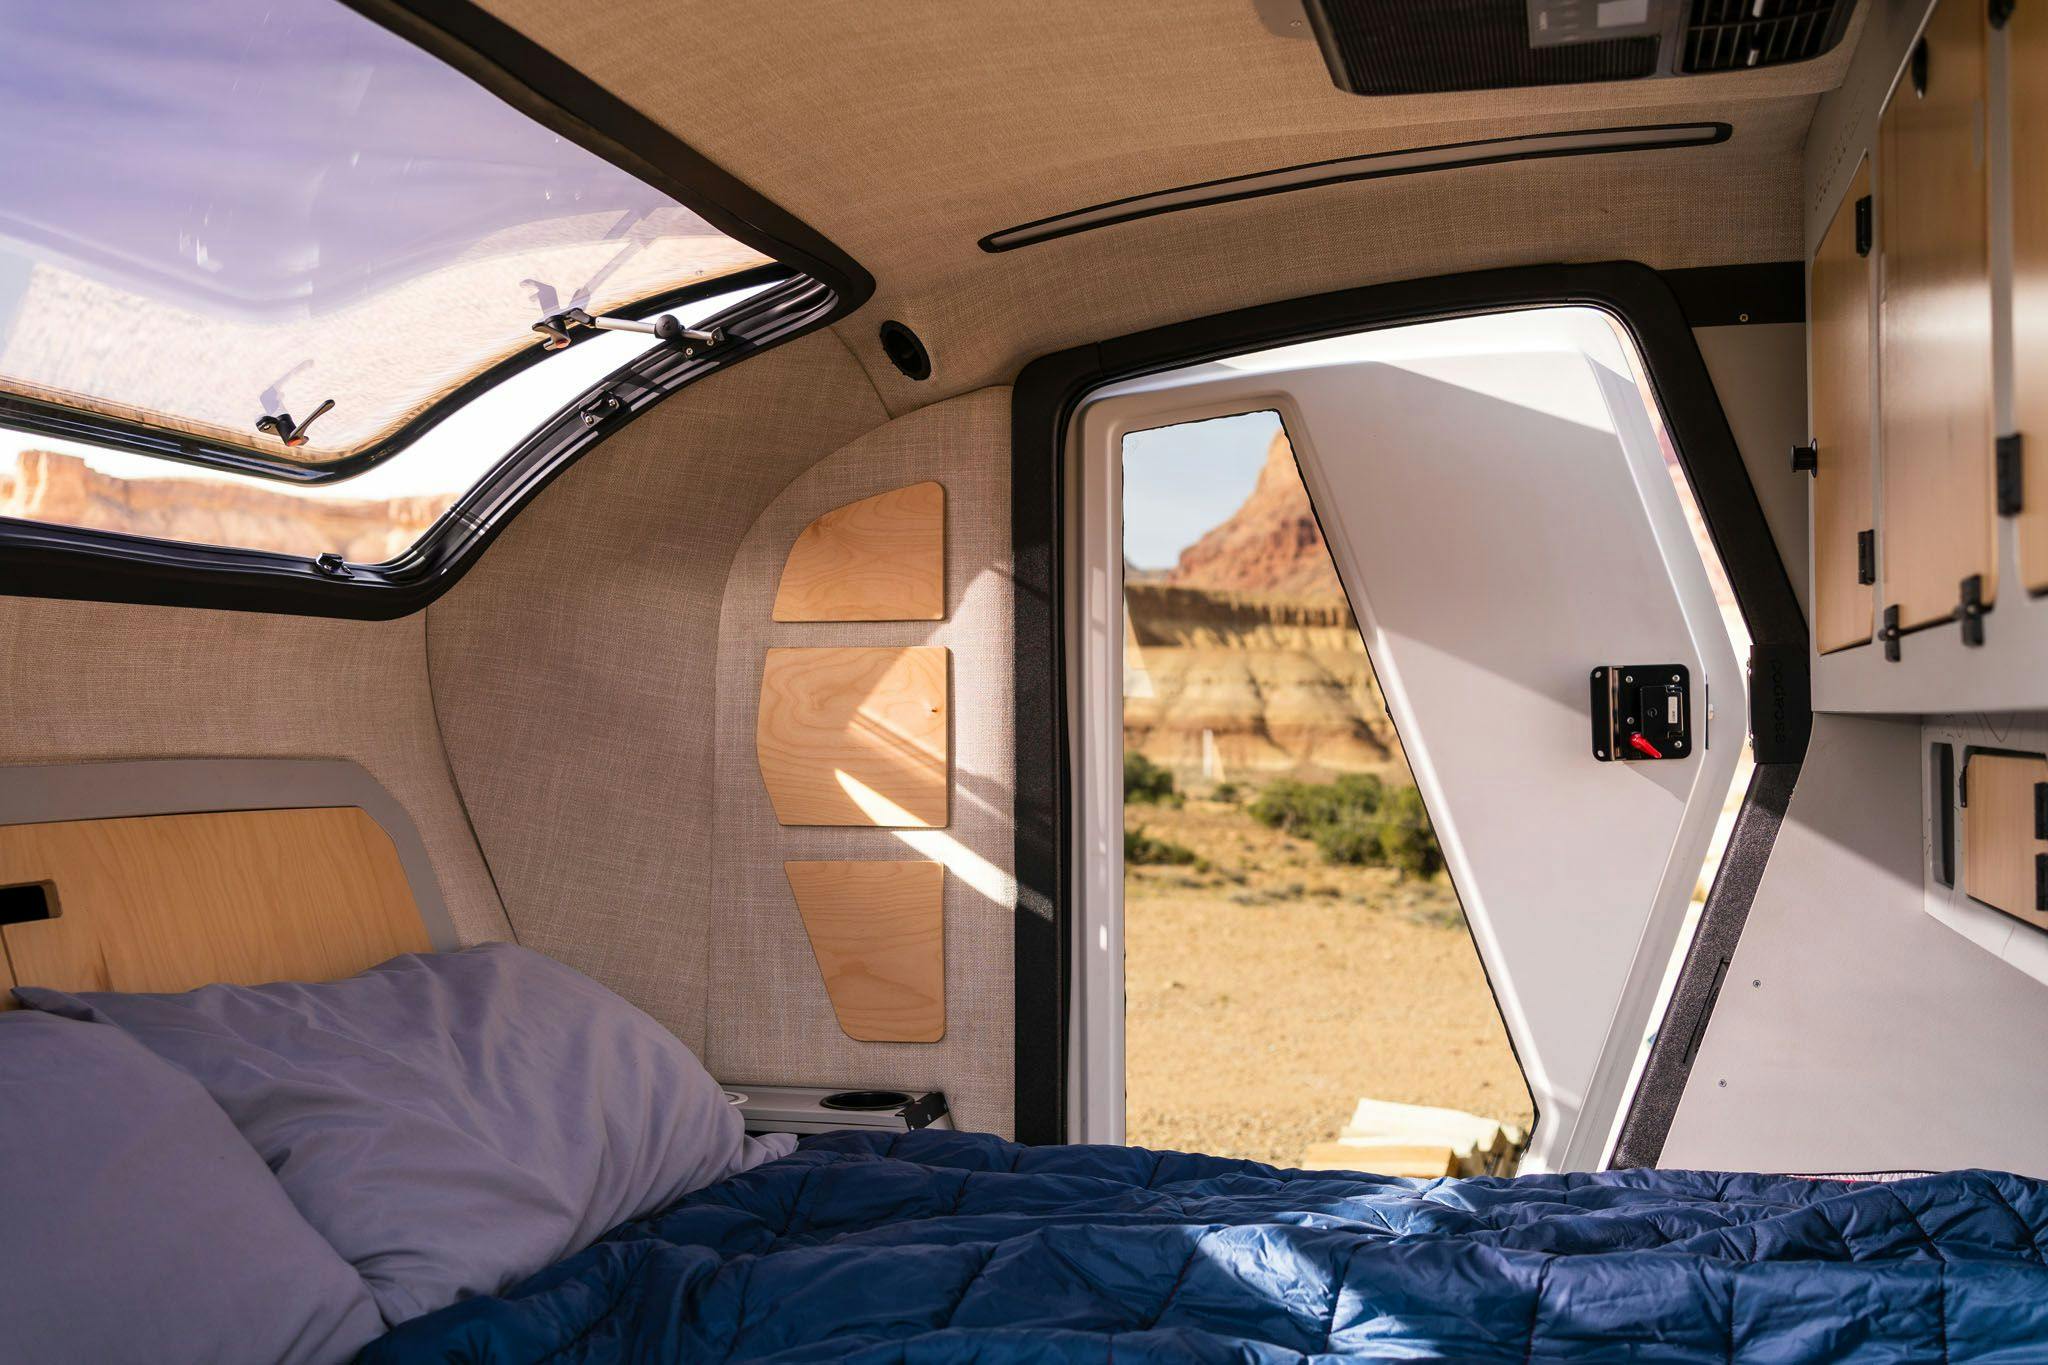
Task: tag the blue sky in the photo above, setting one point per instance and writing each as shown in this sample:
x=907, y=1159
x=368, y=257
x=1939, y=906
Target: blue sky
x=1180, y=481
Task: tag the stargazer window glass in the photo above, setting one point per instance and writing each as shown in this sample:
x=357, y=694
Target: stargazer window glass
x=212, y=215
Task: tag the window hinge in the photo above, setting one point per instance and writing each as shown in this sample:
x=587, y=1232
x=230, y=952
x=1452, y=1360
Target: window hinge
x=332, y=565
x=1890, y=634
x=602, y=409
x=285, y=429
x=1866, y=556
x=554, y=331
x=1806, y=458
x=1970, y=609
x=1863, y=226
x=2011, y=454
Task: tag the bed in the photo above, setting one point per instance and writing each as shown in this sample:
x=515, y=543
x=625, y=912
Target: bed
x=940, y=1246
x=484, y=1156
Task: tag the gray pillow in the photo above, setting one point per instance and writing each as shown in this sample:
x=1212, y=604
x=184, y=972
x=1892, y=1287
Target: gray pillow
x=450, y=1122
x=137, y=1225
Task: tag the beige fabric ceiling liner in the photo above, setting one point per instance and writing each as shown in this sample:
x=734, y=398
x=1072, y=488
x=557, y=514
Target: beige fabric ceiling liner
x=923, y=126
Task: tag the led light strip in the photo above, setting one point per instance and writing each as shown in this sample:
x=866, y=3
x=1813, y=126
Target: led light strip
x=1449, y=156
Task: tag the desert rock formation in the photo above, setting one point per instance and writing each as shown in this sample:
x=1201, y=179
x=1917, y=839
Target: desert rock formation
x=67, y=491
x=1243, y=661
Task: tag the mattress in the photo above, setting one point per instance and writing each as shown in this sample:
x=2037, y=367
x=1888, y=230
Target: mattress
x=932, y=1246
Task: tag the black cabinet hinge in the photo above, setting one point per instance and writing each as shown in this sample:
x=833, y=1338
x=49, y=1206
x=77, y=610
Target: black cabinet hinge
x=1890, y=634
x=1806, y=458
x=1866, y=556
x=2011, y=456
x=1863, y=226
x=2041, y=881
x=1970, y=609
x=2041, y=810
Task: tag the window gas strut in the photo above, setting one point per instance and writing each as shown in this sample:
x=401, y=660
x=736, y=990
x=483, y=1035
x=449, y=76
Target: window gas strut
x=554, y=331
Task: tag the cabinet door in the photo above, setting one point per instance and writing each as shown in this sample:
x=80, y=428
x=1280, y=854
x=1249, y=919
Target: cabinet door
x=2027, y=52
x=1842, y=511
x=1934, y=386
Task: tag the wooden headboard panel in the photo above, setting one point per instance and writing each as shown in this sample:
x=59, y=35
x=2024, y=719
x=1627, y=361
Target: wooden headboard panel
x=308, y=891
x=170, y=902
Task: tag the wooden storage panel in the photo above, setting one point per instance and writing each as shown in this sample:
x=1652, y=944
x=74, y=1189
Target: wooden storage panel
x=2027, y=55
x=1939, y=522
x=880, y=559
x=172, y=902
x=850, y=736
x=2002, y=847
x=1843, y=603
x=878, y=930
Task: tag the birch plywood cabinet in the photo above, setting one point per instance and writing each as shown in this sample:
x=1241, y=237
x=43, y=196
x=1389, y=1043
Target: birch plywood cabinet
x=1844, y=601
x=2027, y=90
x=2002, y=843
x=1938, y=526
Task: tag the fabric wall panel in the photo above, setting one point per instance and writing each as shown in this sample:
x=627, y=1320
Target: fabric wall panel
x=770, y=1019
x=85, y=681
x=574, y=671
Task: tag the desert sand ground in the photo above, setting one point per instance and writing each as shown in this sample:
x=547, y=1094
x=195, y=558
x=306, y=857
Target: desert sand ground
x=1266, y=995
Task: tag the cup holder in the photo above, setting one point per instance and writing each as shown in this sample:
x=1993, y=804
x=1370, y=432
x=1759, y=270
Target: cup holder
x=865, y=1101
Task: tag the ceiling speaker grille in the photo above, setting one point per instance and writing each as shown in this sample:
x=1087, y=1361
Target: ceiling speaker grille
x=1734, y=35
x=1415, y=47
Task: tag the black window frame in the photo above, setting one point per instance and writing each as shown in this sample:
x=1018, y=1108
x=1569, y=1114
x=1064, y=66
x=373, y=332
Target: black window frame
x=1659, y=311
x=810, y=283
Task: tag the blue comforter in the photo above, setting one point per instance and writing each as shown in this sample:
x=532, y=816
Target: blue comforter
x=945, y=1246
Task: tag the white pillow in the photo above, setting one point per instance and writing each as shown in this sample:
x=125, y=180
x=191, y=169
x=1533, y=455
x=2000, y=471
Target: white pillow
x=451, y=1122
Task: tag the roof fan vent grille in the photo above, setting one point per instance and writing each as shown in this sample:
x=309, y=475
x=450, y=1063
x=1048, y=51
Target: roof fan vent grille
x=1734, y=35
x=1402, y=47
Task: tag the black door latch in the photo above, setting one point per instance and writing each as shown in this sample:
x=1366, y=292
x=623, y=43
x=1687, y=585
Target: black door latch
x=1642, y=712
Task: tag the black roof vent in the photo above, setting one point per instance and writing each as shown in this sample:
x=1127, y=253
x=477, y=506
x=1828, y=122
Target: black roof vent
x=1418, y=47
x=1734, y=35
x=1401, y=47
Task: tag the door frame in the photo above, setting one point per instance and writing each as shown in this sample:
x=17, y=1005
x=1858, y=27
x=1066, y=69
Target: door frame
x=1050, y=598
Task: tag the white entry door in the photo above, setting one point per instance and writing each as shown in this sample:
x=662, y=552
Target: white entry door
x=1506, y=520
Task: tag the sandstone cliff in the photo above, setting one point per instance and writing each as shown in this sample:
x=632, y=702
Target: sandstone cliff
x=64, y=489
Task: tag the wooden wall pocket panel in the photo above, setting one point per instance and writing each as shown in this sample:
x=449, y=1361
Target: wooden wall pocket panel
x=172, y=902
x=850, y=736
x=880, y=559
x=1844, y=516
x=878, y=930
x=2005, y=833
x=1939, y=525
x=2027, y=84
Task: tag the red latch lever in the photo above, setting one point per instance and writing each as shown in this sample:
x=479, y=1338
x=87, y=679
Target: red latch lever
x=1643, y=746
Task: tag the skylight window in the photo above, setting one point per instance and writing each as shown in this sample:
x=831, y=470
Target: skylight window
x=217, y=220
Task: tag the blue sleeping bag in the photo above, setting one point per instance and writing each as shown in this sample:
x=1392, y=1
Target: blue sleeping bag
x=936, y=1246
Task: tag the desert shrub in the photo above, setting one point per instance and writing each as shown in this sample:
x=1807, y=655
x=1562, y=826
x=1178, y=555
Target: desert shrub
x=1356, y=819
x=1355, y=840
x=1145, y=782
x=1143, y=848
x=1302, y=808
x=1228, y=792
x=1407, y=840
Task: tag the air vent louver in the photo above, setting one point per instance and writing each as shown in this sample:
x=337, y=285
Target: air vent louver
x=1417, y=47
x=1734, y=35
x=1402, y=47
